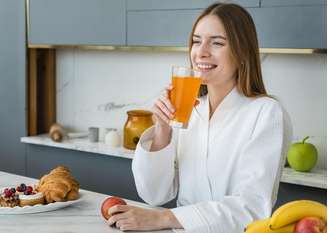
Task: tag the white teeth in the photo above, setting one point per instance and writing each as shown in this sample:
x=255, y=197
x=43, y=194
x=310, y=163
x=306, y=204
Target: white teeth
x=205, y=66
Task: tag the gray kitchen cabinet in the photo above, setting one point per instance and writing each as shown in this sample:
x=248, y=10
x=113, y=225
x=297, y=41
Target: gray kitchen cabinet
x=291, y=27
x=96, y=172
x=12, y=86
x=113, y=175
x=181, y=4
x=160, y=28
x=267, y=3
x=291, y=192
x=277, y=27
x=77, y=22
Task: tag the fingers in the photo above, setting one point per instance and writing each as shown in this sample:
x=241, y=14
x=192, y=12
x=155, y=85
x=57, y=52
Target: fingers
x=117, y=217
x=118, y=209
x=161, y=105
x=159, y=115
x=124, y=225
x=167, y=103
x=123, y=218
x=196, y=102
x=163, y=108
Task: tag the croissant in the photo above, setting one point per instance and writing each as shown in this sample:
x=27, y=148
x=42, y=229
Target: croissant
x=59, y=185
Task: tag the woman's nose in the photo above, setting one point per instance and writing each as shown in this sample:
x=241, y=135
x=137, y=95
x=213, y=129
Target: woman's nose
x=203, y=50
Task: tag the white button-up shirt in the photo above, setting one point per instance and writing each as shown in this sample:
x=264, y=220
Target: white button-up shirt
x=225, y=170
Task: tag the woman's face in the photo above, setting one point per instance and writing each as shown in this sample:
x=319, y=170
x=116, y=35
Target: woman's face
x=211, y=54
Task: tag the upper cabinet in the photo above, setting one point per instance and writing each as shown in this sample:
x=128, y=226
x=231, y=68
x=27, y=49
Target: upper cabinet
x=160, y=28
x=76, y=22
x=166, y=23
x=180, y=4
x=267, y=3
x=291, y=26
x=279, y=23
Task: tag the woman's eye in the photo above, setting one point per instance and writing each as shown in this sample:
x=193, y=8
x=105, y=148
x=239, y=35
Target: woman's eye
x=217, y=43
x=195, y=42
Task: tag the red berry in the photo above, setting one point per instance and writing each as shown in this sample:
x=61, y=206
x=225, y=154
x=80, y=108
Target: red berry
x=19, y=189
x=23, y=187
x=29, y=189
x=8, y=193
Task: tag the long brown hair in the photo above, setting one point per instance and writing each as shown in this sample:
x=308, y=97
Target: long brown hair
x=241, y=35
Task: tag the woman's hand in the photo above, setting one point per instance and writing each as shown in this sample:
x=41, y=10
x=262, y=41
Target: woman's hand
x=163, y=112
x=163, y=109
x=127, y=217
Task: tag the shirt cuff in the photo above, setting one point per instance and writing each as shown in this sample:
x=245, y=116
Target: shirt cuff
x=190, y=218
x=146, y=140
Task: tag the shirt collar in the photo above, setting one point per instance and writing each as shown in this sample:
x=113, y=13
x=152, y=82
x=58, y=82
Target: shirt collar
x=233, y=100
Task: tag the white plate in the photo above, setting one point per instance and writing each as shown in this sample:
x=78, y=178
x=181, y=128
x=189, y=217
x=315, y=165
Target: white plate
x=38, y=208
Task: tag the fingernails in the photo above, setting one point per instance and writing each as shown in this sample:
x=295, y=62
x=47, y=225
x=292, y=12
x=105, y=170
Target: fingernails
x=109, y=222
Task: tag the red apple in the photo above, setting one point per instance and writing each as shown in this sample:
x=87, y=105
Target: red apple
x=108, y=203
x=311, y=225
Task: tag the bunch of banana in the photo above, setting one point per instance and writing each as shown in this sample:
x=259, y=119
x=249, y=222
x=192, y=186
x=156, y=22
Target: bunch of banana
x=263, y=226
x=284, y=219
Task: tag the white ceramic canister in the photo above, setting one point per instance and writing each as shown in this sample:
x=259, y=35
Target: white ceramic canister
x=102, y=134
x=113, y=138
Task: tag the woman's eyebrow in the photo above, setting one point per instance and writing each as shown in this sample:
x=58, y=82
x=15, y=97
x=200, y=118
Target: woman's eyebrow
x=212, y=37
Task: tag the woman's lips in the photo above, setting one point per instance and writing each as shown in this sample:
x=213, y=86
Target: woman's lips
x=205, y=67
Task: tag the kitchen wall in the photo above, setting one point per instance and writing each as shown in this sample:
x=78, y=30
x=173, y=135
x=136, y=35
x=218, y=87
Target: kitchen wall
x=96, y=88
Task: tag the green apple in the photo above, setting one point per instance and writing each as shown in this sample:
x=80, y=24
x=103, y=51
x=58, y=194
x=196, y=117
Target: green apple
x=302, y=156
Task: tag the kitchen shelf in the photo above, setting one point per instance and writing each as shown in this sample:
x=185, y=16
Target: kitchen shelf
x=171, y=49
x=316, y=178
x=80, y=144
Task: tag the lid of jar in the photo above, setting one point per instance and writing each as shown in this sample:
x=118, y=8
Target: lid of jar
x=139, y=113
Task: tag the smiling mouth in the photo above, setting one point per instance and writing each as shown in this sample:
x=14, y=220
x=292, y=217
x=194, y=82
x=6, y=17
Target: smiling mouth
x=205, y=67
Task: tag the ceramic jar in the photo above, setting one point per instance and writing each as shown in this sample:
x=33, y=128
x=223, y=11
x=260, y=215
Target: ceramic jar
x=112, y=138
x=138, y=121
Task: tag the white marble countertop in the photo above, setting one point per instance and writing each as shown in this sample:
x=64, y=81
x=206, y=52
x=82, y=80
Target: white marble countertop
x=80, y=144
x=316, y=178
x=80, y=217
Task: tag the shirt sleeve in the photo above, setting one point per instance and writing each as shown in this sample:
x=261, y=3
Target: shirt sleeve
x=155, y=173
x=253, y=188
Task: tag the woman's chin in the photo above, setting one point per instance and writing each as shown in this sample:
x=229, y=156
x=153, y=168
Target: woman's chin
x=205, y=80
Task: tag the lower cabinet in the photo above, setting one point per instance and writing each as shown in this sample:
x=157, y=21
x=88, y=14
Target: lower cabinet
x=113, y=175
x=95, y=172
x=292, y=192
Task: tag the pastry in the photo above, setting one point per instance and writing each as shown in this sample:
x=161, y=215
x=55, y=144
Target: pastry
x=28, y=196
x=59, y=185
x=31, y=199
x=9, y=198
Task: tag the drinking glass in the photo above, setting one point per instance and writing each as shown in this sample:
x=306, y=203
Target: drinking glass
x=186, y=83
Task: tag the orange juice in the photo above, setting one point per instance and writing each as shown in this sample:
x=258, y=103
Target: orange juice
x=183, y=96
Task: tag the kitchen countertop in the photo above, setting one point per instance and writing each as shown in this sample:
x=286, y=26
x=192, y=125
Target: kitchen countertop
x=80, y=144
x=83, y=216
x=316, y=178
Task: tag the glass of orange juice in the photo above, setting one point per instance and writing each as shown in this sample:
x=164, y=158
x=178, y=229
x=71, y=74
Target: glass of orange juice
x=186, y=83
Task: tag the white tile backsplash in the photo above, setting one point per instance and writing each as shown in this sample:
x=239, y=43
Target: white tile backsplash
x=96, y=88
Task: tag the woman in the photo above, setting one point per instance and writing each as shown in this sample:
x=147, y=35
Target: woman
x=227, y=165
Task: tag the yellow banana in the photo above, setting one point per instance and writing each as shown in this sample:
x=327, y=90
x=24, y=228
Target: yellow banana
x=296, y=210
x=263, y=226
x=255, y=223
